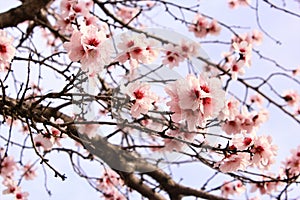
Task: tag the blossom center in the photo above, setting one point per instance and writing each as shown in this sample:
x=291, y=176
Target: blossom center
x=138, y=94
x=3, y=48
x=93, y=42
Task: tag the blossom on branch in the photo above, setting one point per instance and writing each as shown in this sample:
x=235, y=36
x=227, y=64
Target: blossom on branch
x=141, y=97
x=195, y=99
x=7, y=50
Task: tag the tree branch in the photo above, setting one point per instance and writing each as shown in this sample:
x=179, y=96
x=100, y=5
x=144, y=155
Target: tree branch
x=27, y=11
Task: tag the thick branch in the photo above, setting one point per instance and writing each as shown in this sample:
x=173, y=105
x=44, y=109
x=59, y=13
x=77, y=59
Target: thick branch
x=27, y=11
x=113, y=155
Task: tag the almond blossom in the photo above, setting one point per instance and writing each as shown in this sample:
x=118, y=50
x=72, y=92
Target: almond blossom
x=109, y=185
x=291, y=97
x=7, y=50
x=136, y=48
x=29, y=172
x=232, y=188
x=127, y=13
x=46, y=142
x=264, y=152
x=195, y=99
x=292, y=163
x=89, y=46
x=172, y=56
x=201, y=27
x=234, y=162
x=141, y=97
x=7, y=166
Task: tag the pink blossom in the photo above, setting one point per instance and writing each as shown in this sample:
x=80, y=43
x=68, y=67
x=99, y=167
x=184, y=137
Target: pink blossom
x=233, y=4
x=196, y=99
x=267, y=185
x=264, y=152
x=141, y=96
x=89, y=47
x=201, y=27
x=291, y=97
x=257, y=37
x=29, y=172
x=137, y=49
x=11, y=185
x=232, y=188
x=7, y=166
x=127, y=13
x=189, y=49
x=292, y=163
x=7, y=50
x=74, y=47
x=43, y=141
x=89, y=129
x=21, y=195
x=172, y=56
x=109, y=184
x=258, y=99
x=234, y=162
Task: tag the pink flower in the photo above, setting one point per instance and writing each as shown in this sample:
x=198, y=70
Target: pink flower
x=257, y=37
x=172, y=56
x=292, y=163
x=127, y=13
x=7, y=166
x=234, y=162
x=258, y=99
x=291, y=97
x=89, y=47
x=7, y=50
x=201, y=27
x=196, y=99
x=109, y=183
x=43, y=141
x=141, y=96
x=189, y=49
x=74, y=47
x=11, y=185
x=21, y=195
x=232, y=188
x=233, y=4
x=137, y=49
x=29, y=172
x=89, y=129
x=264, y=152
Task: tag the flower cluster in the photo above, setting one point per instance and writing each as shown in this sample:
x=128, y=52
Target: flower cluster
x=88, y=46
x=236, y=121
x=141, y=97
x=292, y=163
x=109, y=183
x=242, y=45
x=249, y=150
x=232, y=188
x=195, y=99
x=201, y=27
x=176, y=54
x=137, y=48
x=70, y=10
x=7, y=50
x=8, y=167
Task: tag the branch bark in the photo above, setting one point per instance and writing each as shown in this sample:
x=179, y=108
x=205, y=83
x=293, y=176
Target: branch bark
x=124, y=162
x=27, y=11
